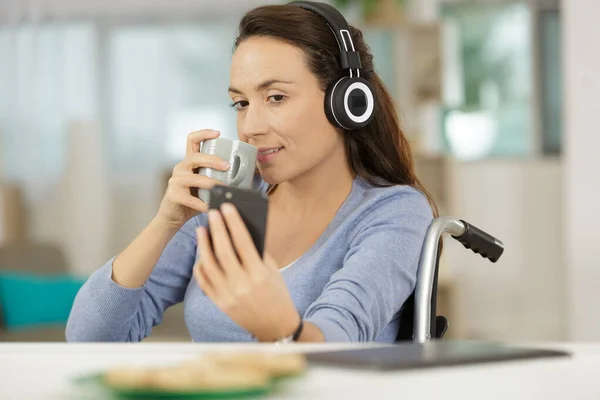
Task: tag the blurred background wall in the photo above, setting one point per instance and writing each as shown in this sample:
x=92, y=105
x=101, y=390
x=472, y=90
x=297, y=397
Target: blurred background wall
x=499, y=99
x=581, y=61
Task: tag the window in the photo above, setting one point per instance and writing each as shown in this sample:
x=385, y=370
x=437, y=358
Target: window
x=166, y=81
x=488, y=83
x=550, y=80
x=47, y=80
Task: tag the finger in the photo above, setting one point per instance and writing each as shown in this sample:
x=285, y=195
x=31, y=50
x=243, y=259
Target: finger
x=186, y=199
x=194, y=181
x=195, y=138
x=198, y=160
x=203, y=281
x=240, y=236
x=209, y=266
x=223, y=248
x=192, y=163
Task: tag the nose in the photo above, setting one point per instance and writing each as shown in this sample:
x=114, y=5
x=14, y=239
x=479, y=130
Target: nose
x=252, y=122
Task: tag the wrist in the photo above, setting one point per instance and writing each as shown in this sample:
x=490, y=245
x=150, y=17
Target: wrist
x=165, y=226
x=285, y=332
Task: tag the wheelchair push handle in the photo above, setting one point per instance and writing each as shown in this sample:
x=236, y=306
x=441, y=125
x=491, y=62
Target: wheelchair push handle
x=480, y=242
x=472, y=238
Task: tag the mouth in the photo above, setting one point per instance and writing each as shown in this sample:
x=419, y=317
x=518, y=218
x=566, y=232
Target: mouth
x=263, y=151
x=267, y=154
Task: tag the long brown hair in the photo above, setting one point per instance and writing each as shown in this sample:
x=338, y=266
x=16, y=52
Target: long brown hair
x=378, y=152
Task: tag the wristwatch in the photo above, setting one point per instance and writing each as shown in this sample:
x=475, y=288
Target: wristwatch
x=294, y=336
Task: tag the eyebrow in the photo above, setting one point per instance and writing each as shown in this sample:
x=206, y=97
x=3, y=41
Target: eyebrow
x=261, y=86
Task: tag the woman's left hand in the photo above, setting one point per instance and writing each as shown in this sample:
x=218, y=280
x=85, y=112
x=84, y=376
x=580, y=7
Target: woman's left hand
x=250, y=290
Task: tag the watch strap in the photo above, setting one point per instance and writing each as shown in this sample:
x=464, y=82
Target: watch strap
x=294, y=336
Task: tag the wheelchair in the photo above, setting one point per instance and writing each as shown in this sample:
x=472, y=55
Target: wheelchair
x=418, y=320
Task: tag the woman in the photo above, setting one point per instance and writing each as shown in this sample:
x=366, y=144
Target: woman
x=347, y=215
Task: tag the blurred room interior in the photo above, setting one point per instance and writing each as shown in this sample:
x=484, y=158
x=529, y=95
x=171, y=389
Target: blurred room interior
x=97, y=97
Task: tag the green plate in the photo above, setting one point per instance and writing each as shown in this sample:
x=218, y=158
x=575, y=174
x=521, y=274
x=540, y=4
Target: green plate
x=286, y=377
x=97, y=382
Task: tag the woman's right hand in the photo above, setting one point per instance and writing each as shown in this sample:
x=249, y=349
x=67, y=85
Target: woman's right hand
x=178, y=204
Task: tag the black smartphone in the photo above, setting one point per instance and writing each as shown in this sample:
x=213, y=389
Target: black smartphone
x=251, y=204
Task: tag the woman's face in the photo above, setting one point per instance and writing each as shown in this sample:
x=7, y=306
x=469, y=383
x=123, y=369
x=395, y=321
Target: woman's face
x=280, y=109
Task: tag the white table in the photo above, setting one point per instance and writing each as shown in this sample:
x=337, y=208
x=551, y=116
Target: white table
x=44, y=371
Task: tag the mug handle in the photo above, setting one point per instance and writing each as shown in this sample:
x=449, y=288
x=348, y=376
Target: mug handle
x=239, y=177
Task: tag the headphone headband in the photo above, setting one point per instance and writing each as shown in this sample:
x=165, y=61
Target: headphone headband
x=349, y=100
x=349, y=58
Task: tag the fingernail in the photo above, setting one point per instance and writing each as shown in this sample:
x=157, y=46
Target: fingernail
x=227, y=208
x=225, y=164
x=213, y=214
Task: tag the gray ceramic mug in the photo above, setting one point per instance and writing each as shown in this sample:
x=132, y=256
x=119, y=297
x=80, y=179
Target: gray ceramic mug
x=241, y=157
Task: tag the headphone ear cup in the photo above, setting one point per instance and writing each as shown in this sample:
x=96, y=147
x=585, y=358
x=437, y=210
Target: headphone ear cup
x=350, y=103
x=330, y=103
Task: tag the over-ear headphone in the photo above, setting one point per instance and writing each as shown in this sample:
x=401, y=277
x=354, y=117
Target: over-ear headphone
x=349, y=101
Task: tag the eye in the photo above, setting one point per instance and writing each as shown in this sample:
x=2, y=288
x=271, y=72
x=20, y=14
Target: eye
x=277, y=98
x=239, y=105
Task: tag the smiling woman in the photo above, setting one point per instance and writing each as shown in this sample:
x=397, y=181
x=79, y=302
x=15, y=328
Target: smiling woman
x=347, y=215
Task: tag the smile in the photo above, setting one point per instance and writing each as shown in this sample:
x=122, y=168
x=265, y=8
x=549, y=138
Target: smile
x=270, y=151
x=266, y=156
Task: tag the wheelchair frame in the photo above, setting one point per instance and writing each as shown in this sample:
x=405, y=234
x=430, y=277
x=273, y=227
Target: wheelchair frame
x=425, y=322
